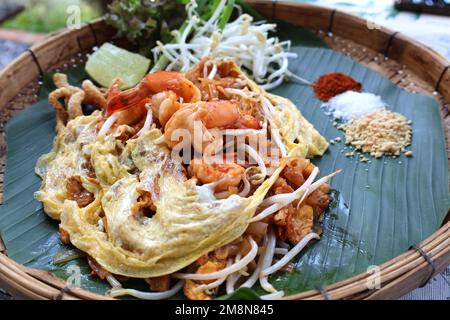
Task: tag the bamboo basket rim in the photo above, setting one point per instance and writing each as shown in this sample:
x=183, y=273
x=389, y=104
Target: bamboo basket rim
x=411, y=269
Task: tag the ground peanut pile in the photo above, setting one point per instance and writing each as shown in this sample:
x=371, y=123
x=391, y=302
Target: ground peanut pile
x=379, y=133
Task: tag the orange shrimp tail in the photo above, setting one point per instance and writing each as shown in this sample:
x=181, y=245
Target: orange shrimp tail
x=134, y=114
x=171, y=81
x=153, y=83
x=125, y=100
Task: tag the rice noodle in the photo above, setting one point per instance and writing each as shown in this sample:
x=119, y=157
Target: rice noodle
x=146, y=295
x=226, y=271
x=108, y=124
x=290, y=255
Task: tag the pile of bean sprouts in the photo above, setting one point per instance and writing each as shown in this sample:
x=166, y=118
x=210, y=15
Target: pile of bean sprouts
x=248, y=43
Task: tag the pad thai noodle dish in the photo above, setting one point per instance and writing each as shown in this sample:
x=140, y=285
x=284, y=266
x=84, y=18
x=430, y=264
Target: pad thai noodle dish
x=196, y=181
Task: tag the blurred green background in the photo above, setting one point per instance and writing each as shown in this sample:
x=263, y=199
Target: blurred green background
x=51, y=15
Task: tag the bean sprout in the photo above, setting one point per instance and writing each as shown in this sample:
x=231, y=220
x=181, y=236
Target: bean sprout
x=108, y=124
x=113, y=281
x=280, y=200
x=246, y=190
x=226, y=271
x=267, y=212
x=286, y=198
x=283, y=244
x=282, y=251
x=273, y=296
x=261, y=165
x=243, y=40
x=148, y=122
x=212, y=285
x=290, y=255
x=146, y=295
x=233, y=278
x=255, y=275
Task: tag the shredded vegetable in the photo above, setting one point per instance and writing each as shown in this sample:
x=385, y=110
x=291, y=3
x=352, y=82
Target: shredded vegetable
x=226, y=271
x=115, y=292
x=247, y=42
x=66, y=256
x=267, y=260
x=148, y=122
x=108, y=124
x=290, y=255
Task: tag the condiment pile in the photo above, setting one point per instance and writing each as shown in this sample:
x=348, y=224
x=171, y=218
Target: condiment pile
x=379, y=133
x=368, y=126
x=352, y=105
x=331, y=84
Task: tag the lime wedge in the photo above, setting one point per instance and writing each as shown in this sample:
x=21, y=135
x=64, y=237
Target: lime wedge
x=110, y=62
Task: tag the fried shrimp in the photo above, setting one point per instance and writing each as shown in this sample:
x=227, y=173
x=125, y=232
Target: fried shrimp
x=164, y=105
x=151, y=84
x=219, y=114
x=226, y=176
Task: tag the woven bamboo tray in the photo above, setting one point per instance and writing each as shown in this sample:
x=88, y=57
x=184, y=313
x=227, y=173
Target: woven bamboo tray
x=406, y=62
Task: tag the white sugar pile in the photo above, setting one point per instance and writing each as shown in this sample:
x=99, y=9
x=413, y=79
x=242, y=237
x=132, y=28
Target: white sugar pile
x=351, y=105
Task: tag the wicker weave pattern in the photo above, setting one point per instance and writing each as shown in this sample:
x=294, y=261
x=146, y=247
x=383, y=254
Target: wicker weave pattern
x=387, y=52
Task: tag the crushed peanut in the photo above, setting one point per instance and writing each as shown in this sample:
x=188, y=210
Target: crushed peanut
x=379, y=133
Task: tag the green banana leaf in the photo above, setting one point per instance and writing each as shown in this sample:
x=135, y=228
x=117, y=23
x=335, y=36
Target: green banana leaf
x=379, y=209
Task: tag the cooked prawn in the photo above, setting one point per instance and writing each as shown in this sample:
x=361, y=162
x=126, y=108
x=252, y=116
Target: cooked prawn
x=129, y=107
x=164, y=105
x=220, y=114
x=227, y=176
x=151, y=84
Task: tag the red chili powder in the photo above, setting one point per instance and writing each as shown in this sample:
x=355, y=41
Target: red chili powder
x=332, y=84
